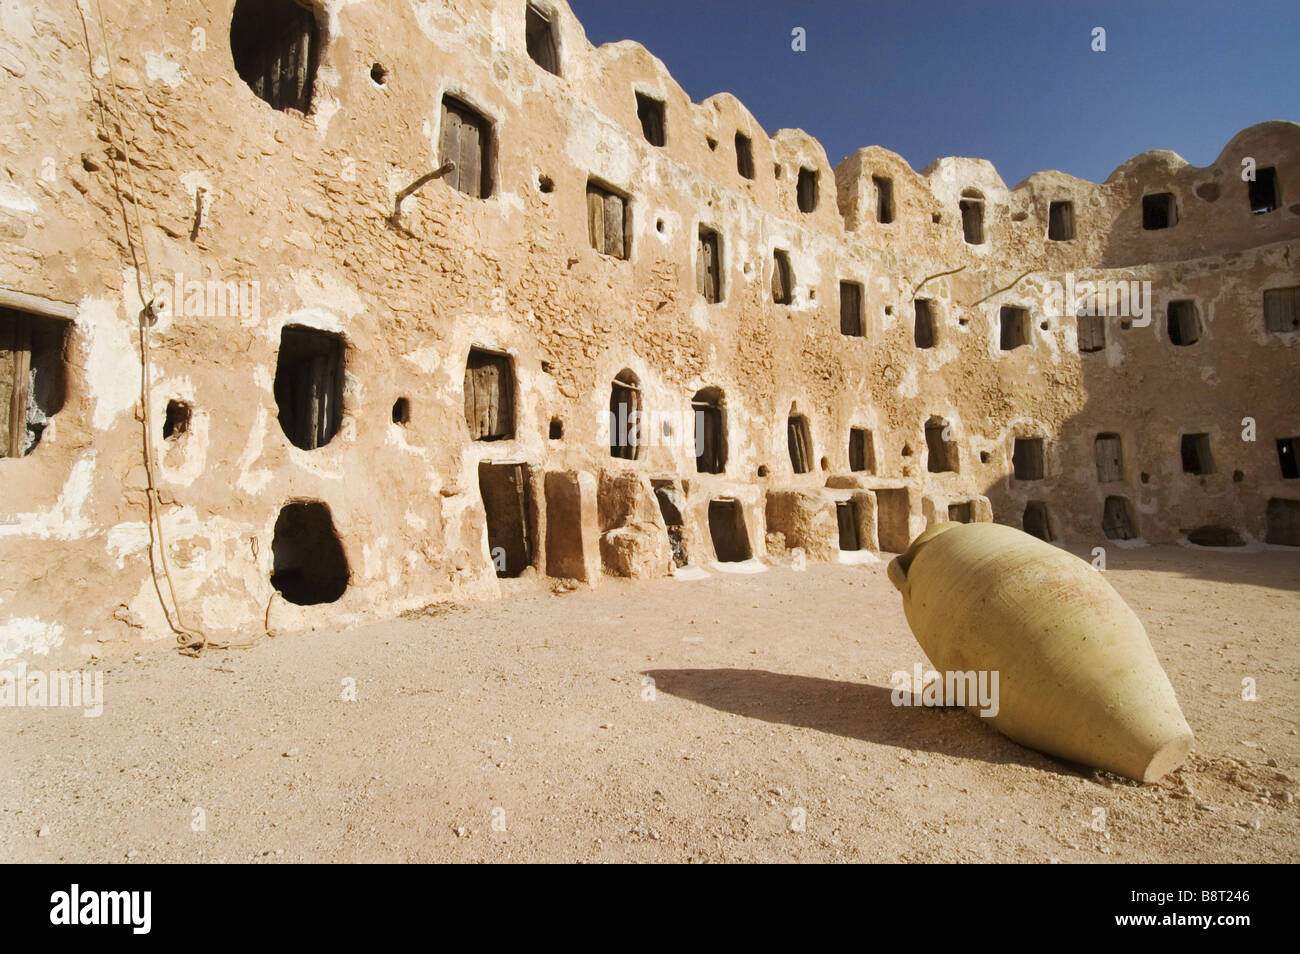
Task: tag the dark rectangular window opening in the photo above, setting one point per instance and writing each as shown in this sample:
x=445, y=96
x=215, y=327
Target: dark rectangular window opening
x=1184, y=327
x=1196, y=454
x=1014, y=327
x=807, y=190
x=1027, y=461
x=1060, y=221
x=504, y=489
x=1282, y=309
x=1036, y=521
x=959, y=512
x=923, y=327
x=651, y=113
x=33, y=378
x=851, y=309
x=884, y=199
x=942, y=456
x=744, y=156
x=710, y=433
x=489, y=396
x=846, y=515
x=466, y=140
x=1108, y=451
x=309, y=385
x=543, y=44
x=708, y=265
x=608, y=224
x=727, y=529
x=1159, y=211
x=1288, y=457
x=972, y=220
x=1282, y=522
x=1263, y=191
x=275, y=46
x=782, y=278
x=862, y=451
x=1092, y=333
x=671, y=503
x=625, y=416
x=1117, y=519
x=800, y=444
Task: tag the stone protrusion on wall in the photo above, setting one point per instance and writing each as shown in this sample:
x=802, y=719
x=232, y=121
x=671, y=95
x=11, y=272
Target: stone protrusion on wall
x=572, y=527
x=805, y=519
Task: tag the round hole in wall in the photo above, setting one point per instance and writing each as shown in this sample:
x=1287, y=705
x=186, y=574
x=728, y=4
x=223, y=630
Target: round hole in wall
x=659, y=226
x=889, y=309
x=812, y=294
x=1019, y=217
x=762, y=470
x=907, y=450
x=1145, y=478
x=1125, y=323
x=749, y=269
x=545, y=184
x=1238, y=476
x=1043, y=325
x=378, y=74
x=713, y=143
x=826, y=463
x=1208, y=191
x=963, y=322
x=936, y=218
x=984, y=457
x=556, y=430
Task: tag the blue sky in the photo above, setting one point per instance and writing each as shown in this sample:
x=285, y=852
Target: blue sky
x=1013, y=82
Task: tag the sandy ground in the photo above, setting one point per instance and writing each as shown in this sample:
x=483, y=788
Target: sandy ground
x=768, y=735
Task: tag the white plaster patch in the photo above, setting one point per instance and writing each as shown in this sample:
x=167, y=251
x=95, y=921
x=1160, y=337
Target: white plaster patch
x=234, y=613
x=252, y=481
x=856, y=557
x=13, y=199
x=65, y=520
x=426, y=359
x=691, y=572
x=326, y=293
x=28, y=636
x=332, y=10
x=192, y=182
x=910, y=386
x=127, y=539
x=1135, y=544
x=752, y=565
x=112, y=362
x=160, y=68
x=323, y=111
x=597, y=144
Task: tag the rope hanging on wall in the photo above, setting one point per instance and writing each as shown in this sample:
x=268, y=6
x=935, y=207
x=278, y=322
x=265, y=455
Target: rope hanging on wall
x=192, y=640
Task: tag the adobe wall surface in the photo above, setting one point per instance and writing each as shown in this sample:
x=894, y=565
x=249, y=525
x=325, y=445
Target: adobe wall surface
x=297, y=207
